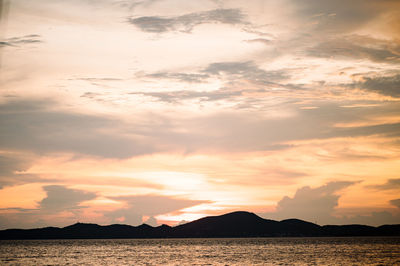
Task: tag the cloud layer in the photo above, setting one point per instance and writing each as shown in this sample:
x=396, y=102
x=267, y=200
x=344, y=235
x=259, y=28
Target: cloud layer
x=186, y=23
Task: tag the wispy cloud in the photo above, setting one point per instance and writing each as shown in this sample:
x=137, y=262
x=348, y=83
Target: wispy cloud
x=186, y=23
x=358, y=47
x=391, y=184
x=13, y=167
x=179, y=96
x=18, y=41
x=183, y=77
x=148, y=205
x=395, y=202
x=386, y=85
x=49, y=130
x=226, y=72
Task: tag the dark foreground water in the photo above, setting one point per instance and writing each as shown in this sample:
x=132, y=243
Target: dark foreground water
x=246, y=251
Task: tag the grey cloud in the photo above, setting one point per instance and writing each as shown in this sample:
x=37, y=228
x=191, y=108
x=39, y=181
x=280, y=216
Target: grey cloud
x=8, y=168
x=184, y=77
x=12, y=167
x=260, y=40
x=395, y=202
x=187, y=22
x=132, y=4
x=17, y=41
x=246, y=131
x=387, y=130
x=21, y=219
x=285, y=174
x=128, y=215
x=375, y=218
x=276, y=176
x=233, y=68
x=178, y=96
x=148, y=205
x=344, y=16
x=311, y=204
x=390, y=184
x=151, y=221
x=90, y=95
x=386, y=85
x=37, y=127
x=235, y=131
x=60, y=198
x=152, y=205
x=329, y=114
x=231, y=71
x=153, y=24
x=4, y=43
x=246, y=70
x=319, y=204
x=358, y=47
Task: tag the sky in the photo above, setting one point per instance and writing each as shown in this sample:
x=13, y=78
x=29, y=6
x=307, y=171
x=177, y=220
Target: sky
x=166, y=111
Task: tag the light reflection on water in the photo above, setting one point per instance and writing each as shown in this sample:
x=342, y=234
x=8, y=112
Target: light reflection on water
x=245, y=251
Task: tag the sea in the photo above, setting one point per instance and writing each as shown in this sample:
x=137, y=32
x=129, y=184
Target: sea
x=210, y=251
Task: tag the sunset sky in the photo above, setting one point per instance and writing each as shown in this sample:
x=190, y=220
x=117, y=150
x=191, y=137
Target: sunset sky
x=165, y=111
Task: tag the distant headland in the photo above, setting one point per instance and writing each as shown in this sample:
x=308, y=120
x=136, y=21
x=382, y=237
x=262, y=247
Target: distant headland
x=235, y=224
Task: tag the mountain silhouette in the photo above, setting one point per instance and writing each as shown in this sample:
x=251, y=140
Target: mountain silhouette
x=235, y=224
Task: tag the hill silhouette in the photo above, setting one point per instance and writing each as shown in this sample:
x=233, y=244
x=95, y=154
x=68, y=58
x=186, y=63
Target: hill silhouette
x=235, y=224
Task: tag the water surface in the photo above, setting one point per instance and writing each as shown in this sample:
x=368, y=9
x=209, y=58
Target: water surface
x=243, y=251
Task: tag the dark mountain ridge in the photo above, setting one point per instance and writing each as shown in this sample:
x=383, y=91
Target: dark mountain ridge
x=235, y=224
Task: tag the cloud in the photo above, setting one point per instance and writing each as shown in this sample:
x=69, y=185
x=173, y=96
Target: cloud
x=358, y=47
x=152, y=205
x=18, y=41
x=225, y=71
x=39, y=128
x=184, y=77
x=376, y=218
x=385, y=85
x=395, y=202
x=343, y=16
x=132, y=4
x=21, y=219
x=319, y=204
x=229, y=72
x=8, y=168
x=387, y=130
x=260, y=40
x=32, y=125
x=237, y=131
x=151, y=221
x=12, y=167
x=245, y=70
x=60, y=198
x=389, y=185
x=179, y=96
x=312, y=204
x=60, y=207
x=148, y=205
x=187, y=22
